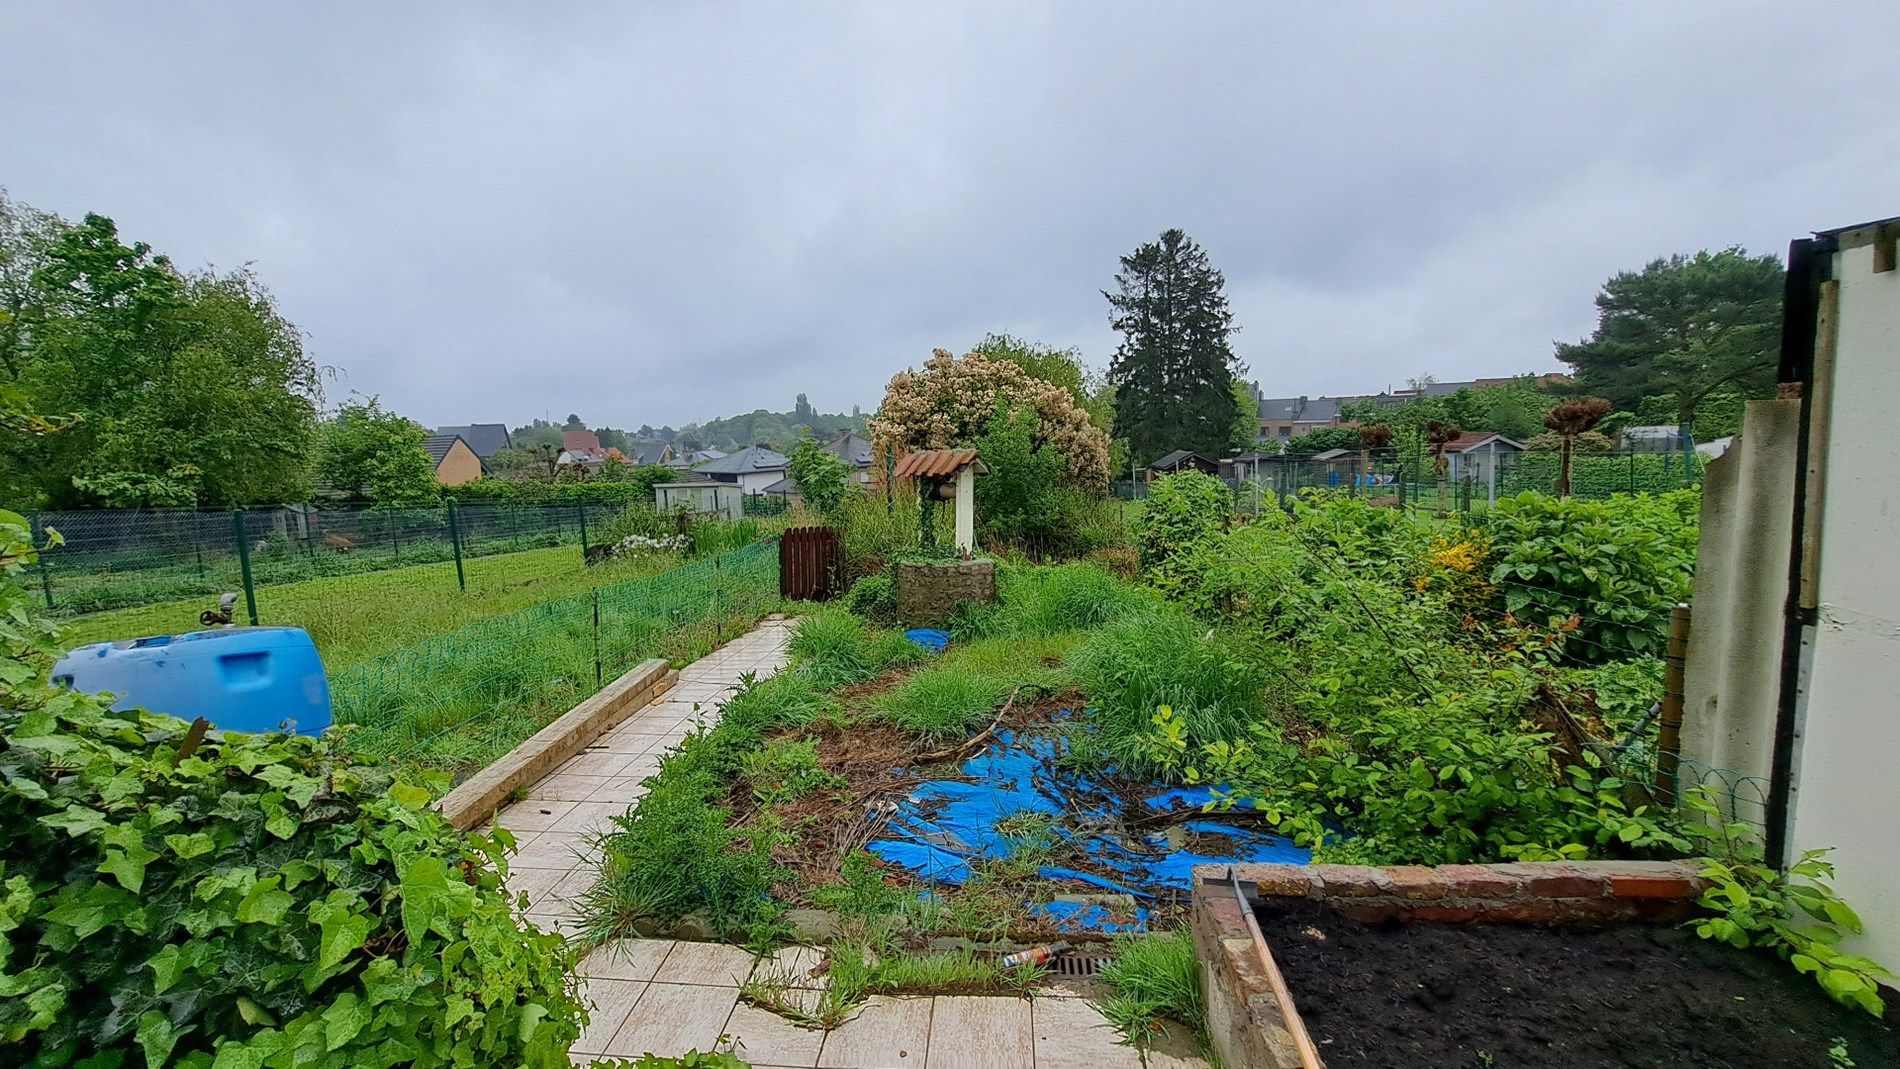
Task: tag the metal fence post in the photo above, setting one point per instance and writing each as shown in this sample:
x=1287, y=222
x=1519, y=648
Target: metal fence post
x=241, y=533
x=455, y=541
x=599, y=678
x=38, y=535
x=1669, y=734
x=580, y=511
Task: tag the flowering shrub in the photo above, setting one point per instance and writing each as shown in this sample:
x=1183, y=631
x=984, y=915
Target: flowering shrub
x=951, y=400
x=635, y=544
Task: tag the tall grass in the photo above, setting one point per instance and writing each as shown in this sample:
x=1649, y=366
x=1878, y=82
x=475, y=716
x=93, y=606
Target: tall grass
x=1141, y=661
x=942, y=700
x=1054, y=600
x=834, y=648
x=1156, y=979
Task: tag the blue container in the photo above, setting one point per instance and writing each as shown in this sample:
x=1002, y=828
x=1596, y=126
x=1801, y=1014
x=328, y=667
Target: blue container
x=239, y=678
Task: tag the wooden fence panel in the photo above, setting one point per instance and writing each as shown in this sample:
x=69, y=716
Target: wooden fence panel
x=808, y=563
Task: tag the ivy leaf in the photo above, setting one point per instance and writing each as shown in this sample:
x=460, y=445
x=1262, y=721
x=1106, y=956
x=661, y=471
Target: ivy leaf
x=347, y=1016
x=424, y=883
x=343, y=931
x=157, y=1036
x=410, y=795
x=77, y=820
x=263, y=903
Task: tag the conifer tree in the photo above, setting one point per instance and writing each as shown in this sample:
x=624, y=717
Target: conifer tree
x=1173, y=372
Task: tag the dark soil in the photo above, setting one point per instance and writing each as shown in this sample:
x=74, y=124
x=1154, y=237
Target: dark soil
x=1451, y=996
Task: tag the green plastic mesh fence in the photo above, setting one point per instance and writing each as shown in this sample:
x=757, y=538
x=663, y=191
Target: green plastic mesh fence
x=458, y=701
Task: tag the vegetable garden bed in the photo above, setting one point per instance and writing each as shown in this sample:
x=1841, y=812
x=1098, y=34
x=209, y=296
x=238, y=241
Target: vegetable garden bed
x=1458, y=995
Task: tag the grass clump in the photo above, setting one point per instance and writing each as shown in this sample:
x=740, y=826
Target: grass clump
x=942, y=700
x=872, y=965
x=833, y=648
x=1054, y=600
x=1156, y=979
x=1135, y=665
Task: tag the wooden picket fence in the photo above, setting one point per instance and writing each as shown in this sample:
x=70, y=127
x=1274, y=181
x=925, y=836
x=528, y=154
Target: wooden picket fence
x=809, y=560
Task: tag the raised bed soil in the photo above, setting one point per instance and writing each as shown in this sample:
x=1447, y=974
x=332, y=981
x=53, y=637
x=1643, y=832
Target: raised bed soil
x=1452, y=996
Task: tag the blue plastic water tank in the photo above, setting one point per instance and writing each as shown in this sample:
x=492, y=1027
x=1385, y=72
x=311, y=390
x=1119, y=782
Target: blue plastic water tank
x=239, y=678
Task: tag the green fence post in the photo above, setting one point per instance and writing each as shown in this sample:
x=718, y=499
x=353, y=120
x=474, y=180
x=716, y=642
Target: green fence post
x=38, y=536
x=244, y=562
x=599, y=679
x=580, y=511
x=455, y=541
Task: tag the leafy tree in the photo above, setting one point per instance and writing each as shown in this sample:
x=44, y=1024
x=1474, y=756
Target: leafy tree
x=1685, y=327
x=376, y=455
x=650, y=476
x=1021, y=500
x=186, y=388
x=822, y=478
x=1060, y=367
x=1372, y=439
x=802, y=413
x=574, y=423
x=1320, y=439
x=1246, y=419
x=1173, y=372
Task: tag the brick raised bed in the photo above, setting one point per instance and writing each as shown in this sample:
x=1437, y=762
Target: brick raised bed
x=1251, y=1017
x=928, y=593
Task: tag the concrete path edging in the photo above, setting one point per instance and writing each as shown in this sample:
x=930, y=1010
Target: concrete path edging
x=481, y=795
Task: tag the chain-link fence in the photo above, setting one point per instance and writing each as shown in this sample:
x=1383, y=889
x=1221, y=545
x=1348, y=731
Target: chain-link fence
x=458, y=701
x=1468, y=480
x=119, y=559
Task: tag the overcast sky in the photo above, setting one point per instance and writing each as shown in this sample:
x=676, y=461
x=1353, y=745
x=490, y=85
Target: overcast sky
x=656, y=213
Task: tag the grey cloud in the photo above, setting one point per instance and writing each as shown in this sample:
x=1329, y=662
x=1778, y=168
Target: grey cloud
x=669, y=212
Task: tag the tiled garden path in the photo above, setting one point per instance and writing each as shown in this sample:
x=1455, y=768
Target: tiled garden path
x=666, y=997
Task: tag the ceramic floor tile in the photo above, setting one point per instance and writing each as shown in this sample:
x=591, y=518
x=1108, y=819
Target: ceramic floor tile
x=976, y=1032
x=552, y=850
x=622, y=789
x=714, y=964
x=671, y=1019
x=764, y=1038
x=535, y=883
x=529, y=817
x=591, y=818
x=609, y=1002
x=566, y=788
x=626, y=959
x=1071, y=1034
x=794, y=965
x=886, y=1033
x=595, y=763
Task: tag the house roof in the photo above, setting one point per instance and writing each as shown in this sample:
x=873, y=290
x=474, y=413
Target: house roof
x=1333, y=454
x=438, y=446
x=486, y=439
x=1176, y=458
x=1300, y=409
x=580, y=441
x=852, y=448
x=937, y=463
x=783, y=486
x=651, y=452
x=757, y=458
x=1470, y=440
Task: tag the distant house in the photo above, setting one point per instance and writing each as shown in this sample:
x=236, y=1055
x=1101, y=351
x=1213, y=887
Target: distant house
x=579, y=442
x=486, y=439
x=649, y=453
x=1288, y=417
x=1182, y=460
x=1474, y=455
x=855, y=450
x=687, y=458
x=752, y=469
x=455, y=463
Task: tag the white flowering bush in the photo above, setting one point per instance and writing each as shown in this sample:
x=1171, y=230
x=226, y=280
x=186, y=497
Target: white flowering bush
x=636, y=544
x=951, y=400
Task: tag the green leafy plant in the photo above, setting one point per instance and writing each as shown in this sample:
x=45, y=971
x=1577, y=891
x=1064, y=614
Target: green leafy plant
x=821, y=476
x=834, y=648
x=1796, y=914
x=1181, y=510
x=940, y=701
x=786, y=770
x=874, y=597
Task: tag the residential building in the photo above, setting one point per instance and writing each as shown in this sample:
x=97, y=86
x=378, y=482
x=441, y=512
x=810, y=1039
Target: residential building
x=854, y=449
x=455, y=463
x=752, y=469
x=1476, y=456
x=1182, y=460
x=1287, y=417
x=647, y=454
x=485, y=439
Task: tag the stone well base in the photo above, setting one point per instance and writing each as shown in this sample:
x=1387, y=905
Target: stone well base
x=927, y=594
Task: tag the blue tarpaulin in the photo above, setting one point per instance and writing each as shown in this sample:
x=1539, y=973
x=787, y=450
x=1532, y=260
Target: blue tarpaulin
x=1127, y=843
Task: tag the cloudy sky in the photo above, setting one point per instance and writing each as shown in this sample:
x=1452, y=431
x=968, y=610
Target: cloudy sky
x=655, y=213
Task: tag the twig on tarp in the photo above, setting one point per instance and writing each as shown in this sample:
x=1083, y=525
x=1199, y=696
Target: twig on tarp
x=979, y=738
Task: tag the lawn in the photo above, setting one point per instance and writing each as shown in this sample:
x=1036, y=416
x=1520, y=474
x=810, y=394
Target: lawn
x=354, y=618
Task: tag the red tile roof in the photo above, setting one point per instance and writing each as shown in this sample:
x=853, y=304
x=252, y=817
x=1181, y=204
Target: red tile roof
x=936, y=463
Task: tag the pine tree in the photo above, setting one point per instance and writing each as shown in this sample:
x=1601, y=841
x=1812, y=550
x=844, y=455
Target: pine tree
x=1173, y=373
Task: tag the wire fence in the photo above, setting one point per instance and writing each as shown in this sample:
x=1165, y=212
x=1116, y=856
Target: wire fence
x=120, y=559
x=458, y=701
x=1470, y=480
